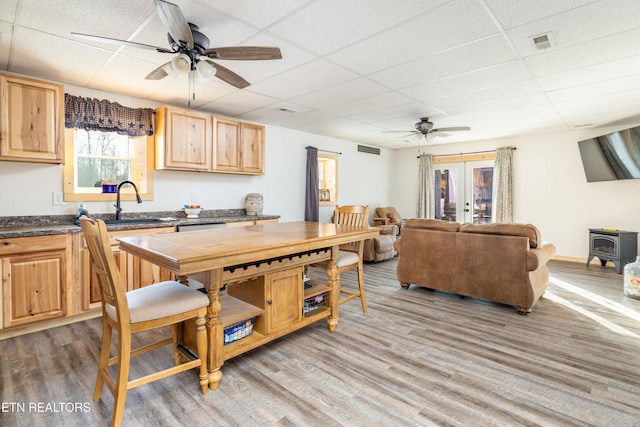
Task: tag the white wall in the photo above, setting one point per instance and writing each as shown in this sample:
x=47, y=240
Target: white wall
x=363, y=178
x=551, y=189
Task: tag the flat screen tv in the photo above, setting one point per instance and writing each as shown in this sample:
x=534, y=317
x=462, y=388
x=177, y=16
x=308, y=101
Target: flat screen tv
x=613, y=156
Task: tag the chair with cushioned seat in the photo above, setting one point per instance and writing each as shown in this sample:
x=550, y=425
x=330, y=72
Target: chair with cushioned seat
x=350, y=254
x=166, y=303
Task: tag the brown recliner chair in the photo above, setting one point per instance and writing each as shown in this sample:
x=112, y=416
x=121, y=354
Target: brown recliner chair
x=388, y=216
x=381, y=247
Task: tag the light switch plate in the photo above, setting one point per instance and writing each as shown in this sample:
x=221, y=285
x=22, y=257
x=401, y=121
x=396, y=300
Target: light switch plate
x=57, y=199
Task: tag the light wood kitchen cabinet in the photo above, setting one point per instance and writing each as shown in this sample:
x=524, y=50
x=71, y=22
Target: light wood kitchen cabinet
x=36, y=278
x=239, y=147
x=135, y=272
x=252, y=150
x=279, y=294
x=31, y=120
x=184, y=140
x=192, y=141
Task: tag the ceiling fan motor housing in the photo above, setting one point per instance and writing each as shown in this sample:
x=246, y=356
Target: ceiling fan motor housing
x=424, y=125
x=200, y=41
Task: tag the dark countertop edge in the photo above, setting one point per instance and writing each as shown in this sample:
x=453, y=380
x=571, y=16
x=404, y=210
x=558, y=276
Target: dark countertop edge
x=46, y=230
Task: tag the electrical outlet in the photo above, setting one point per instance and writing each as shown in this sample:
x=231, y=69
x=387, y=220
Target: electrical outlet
x=57, y=199
x=193, y=198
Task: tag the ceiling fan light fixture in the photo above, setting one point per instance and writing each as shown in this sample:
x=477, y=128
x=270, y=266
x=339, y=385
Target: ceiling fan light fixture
x=181, y=64
x=205, y=70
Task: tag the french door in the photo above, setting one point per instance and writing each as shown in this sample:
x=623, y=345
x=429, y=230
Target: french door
x=464, y=191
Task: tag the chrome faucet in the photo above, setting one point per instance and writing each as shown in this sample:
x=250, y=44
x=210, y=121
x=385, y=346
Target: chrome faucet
x=117, y=205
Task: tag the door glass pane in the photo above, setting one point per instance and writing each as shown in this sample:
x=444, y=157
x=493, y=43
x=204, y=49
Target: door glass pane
x=482, y=194
x=446, y=181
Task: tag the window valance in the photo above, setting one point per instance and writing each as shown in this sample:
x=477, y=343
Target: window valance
x=106, y=116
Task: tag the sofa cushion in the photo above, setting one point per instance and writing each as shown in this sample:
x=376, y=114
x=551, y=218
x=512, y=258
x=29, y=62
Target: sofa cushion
x=524, y=230
x=432, y=224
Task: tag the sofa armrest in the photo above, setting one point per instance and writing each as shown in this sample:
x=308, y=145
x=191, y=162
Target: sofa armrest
x=391, y=230
x=540, y=255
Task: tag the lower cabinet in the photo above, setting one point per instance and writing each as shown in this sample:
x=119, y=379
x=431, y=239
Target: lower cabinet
x=36, y=279
x=279, y=294
x=135, y=273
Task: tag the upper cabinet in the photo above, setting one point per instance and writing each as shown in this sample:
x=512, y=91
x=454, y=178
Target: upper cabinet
x=190, y=140
x=183, y=140
x=31, y=120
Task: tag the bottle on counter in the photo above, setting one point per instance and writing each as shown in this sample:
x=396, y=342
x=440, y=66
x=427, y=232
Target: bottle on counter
x=632, y=279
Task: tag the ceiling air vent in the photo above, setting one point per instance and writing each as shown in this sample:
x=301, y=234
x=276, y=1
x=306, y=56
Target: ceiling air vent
x=370, y=150
x=543, y=41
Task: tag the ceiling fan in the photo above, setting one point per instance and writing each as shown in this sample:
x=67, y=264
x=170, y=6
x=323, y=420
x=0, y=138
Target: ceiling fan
x=192, y=49
x=425, y=130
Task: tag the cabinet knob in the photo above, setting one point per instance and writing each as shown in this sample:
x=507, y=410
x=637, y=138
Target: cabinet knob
x=269, y=302
x=6, y=243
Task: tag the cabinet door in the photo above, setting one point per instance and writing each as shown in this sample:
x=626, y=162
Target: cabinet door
x=31, y=122
x=35, y=279
x=227, y=142
x=252, y=138
x=184, y=140
x=135, y=272
x=91, y=296
x=284, y=299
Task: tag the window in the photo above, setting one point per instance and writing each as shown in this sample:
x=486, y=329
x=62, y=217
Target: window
x=94, y=156
x=328, y=179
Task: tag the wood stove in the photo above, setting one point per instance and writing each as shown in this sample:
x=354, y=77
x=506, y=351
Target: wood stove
x=618, y=246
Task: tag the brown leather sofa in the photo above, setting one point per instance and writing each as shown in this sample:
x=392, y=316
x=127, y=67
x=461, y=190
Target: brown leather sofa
x=505, y=263
x=381, y=247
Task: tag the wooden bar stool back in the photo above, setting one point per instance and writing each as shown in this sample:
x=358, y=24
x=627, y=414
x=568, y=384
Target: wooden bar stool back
x=163, y=304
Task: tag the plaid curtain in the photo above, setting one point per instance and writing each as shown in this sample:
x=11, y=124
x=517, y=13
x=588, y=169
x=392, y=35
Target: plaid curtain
x=106, y=116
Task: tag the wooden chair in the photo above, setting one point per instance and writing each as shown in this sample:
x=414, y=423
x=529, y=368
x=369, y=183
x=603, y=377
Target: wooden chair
x=163, y=304
x=350, y=255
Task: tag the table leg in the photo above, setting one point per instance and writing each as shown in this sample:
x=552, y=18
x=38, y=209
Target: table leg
x=213, y=283
x=334, y=288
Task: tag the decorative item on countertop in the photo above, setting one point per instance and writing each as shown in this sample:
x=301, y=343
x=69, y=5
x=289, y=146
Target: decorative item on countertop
x=253, y=204
x=632, y=279
x=109, y=186
x=192, y=211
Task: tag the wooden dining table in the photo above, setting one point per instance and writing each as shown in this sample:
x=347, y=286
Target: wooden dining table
x=253, y=271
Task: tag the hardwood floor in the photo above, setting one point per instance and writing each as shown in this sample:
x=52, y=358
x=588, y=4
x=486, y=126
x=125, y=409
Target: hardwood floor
x=418, y=358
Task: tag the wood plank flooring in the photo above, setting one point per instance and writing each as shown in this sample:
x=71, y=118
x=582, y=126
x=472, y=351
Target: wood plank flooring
x=418, y=358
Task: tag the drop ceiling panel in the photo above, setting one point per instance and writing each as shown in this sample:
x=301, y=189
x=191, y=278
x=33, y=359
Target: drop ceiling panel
x=512, y=13
x=497, y=75
x=61, y=17
x=603, y=72
x=324, y=26
x=239, y=103
x=373, y=103
x=448, y=26
x=591, y=22
x=304, y=79
x=8, y=10
x=254, y=12
x=612, y=48
x=476, y=55
x=65, y=61
x=340, y=94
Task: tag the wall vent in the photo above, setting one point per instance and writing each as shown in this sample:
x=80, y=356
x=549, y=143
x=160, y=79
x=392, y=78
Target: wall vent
x=369, y=150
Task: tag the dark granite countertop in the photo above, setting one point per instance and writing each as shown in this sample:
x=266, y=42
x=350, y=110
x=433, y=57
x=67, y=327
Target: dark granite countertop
x=42, y=225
